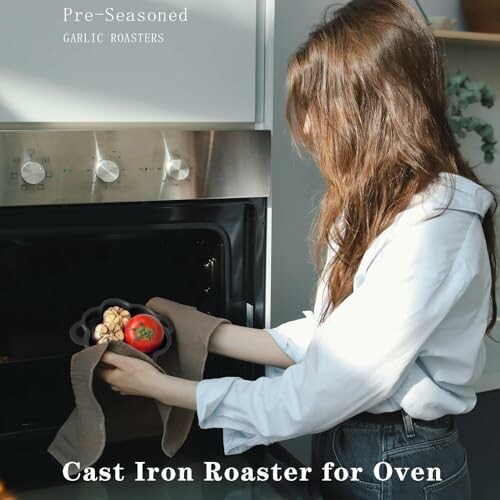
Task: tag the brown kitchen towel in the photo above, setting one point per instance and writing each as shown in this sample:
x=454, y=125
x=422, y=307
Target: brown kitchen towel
x=82, y=437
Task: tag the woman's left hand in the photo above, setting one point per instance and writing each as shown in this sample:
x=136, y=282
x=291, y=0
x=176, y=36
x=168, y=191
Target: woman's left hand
x=129, y=376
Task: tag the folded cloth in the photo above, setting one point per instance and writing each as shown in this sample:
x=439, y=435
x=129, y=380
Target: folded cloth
x=82, y=437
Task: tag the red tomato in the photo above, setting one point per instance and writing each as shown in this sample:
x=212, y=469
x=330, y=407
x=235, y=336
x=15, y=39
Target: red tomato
x=144, y=332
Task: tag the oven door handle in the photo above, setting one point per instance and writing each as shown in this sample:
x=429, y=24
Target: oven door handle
x=249, y=315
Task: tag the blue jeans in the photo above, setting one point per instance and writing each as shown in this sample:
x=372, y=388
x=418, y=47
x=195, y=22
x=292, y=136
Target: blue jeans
x=403, y=447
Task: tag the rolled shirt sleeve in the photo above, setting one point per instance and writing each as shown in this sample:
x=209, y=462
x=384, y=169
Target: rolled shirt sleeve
x=294, y=337
x=358, y=356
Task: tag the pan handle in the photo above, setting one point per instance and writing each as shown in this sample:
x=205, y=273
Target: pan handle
x=78, y=334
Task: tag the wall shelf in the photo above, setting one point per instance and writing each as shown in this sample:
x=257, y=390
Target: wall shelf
x=469, y=38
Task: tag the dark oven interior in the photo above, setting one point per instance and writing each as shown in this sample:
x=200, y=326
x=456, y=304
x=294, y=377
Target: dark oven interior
x=57, y=261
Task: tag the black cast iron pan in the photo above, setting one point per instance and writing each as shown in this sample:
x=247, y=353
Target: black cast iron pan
x=81, y=332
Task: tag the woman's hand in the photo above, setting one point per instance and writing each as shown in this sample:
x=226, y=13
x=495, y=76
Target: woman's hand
x=129, y=376
x=135, y=377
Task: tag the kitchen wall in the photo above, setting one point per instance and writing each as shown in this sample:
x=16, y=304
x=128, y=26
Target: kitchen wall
x=481, y=63
x=449, y=8
x=297, y=188
x=478, y=428
x=296, y=185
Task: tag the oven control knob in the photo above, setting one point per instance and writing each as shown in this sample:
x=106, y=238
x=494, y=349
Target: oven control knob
x=107, y=171
x=177, y=169
x=32, y=172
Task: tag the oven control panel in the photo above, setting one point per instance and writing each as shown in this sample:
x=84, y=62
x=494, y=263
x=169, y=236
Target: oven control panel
x=42, y=167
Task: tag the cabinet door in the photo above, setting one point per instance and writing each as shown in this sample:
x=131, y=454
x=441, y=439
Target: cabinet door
x=204, y=70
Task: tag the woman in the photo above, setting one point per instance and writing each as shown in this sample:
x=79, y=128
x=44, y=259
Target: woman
x=407, y=291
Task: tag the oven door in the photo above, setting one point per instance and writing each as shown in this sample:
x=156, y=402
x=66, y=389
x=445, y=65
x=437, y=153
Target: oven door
x=56, y=262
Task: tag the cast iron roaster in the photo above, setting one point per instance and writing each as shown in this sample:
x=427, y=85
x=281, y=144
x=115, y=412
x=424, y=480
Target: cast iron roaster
x=81, y=332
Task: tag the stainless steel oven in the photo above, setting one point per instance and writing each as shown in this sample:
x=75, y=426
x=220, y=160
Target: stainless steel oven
x=133, y=213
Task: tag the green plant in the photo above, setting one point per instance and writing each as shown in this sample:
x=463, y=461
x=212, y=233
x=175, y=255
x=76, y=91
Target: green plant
x=463, y=92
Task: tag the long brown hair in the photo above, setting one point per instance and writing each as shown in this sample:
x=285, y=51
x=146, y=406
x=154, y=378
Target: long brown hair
x=366, y=99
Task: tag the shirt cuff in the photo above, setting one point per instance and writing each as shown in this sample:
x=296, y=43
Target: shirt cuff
x=287, y=345
x=236, y=442
x=210, y=393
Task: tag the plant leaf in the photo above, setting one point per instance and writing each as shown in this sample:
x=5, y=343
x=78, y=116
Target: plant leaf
x=488, y=97
x=476, y=85
x=458, y=79
x=462, y=92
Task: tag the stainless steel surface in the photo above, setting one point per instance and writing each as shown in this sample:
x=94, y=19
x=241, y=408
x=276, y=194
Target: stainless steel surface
x=46, y=167
x=184, y=125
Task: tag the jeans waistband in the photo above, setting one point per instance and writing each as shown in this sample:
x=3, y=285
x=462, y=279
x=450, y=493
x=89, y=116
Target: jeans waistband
x=400, y=418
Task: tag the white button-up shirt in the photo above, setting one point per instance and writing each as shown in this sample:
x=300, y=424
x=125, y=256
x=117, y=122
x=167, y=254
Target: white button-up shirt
x=409, y=336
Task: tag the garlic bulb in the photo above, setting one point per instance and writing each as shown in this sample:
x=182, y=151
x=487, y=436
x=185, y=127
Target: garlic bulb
x=100, y=331
x=105, y=340
x=116, y=315
x=114, y=321
x=119, y=335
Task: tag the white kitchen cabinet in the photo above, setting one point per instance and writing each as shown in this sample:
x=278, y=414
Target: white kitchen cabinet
x=205, y=71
